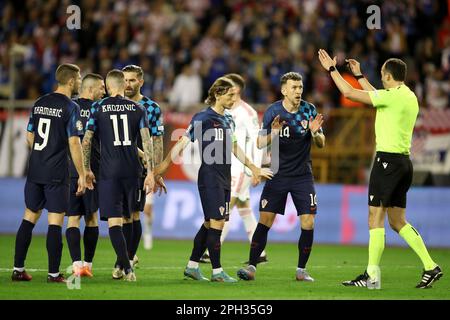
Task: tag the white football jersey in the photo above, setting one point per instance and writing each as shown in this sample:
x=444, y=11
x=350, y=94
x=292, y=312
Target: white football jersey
x=246, y=133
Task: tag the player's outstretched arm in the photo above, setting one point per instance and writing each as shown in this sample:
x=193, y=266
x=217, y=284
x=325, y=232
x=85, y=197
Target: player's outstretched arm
x=149, y=182
x=257, y=172
x=355, y=68
x=264, y=141
x=172, y=155
x=314, y=126
x=344, y=87
x=77, y=159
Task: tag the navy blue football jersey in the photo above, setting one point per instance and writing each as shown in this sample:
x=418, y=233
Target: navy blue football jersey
x=295, y=138
x=54, y=118
x=118, y=122
x=214, y=133
x=85, y=111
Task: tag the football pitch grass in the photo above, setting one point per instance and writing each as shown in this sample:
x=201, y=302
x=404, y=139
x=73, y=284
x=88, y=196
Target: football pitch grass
x=160, y=274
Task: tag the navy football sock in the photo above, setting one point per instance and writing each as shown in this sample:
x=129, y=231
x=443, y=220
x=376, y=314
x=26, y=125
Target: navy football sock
x=258, y=244
x=304, y=247
x=199, y=244
x=23, y=240
x=90, y=239
x=54, y=247
x=214, y=245
x=73, y=238
x=120, y=246
x=136, y=239
x=127, y=230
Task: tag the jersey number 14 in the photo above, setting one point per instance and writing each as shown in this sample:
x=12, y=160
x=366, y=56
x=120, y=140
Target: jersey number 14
x=126, y=135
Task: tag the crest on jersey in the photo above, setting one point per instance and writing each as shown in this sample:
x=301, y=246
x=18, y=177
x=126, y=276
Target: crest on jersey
x=222, y=210
x=264, y=203
x=304, y=124
x=79, y=125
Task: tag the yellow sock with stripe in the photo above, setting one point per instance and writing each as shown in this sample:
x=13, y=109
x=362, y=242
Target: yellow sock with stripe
x=414, y=240
x=376, y=248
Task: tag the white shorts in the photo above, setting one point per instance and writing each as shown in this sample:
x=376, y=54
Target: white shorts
x=240, y=186
x=149, y=198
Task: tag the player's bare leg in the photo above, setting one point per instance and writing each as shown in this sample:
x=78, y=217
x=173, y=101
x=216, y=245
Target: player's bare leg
x=431, y=271
x=23, y=240
x=258, y=244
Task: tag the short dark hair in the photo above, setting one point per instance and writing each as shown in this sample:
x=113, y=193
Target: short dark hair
x=290, y=76
x=237, y=79
x=92, y=76
x=115, y=74
x=134, y=68
x=220, y=87
x=397, y=68
x=65, y=72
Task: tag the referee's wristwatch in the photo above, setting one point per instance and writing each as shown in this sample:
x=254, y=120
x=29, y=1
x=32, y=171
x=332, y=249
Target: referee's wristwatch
x=331, y=69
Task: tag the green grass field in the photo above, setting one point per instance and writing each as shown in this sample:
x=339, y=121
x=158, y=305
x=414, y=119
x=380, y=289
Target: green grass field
x=160, y=274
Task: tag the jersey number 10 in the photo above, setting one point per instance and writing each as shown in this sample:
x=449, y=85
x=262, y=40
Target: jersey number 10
x=126, y=136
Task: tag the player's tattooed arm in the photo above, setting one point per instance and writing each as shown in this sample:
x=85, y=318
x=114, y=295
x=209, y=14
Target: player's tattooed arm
x=87, y=144
x=148, y=149
x=149, y=182
x=30, y=139
x=256, y=171
x=86, y=153
x=76, y=154
x=158, y=149
x=172, y=155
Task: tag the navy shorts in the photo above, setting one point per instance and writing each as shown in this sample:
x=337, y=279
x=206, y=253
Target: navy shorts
x=275, y=192
x=215, y=202
x=84, y=205
x=53, y=197
x=117, y=197
x=140, y=201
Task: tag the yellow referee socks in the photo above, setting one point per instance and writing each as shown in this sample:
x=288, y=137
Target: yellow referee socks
x=376, y=248
x=414, y=240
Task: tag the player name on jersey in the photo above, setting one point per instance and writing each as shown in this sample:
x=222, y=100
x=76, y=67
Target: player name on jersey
x=118, y=107
x=52, y=112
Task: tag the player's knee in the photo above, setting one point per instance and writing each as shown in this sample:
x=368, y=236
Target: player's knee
x=73, y=222
x=217, y=224
x=267, y=219
x=32, y=216
x=307, y=222
x=56, y=219
x=114, y=222
x=92, y=220
x=127, y=220
x=136, y=216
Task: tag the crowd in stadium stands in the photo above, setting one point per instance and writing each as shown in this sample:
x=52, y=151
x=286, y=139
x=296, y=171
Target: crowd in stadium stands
x=183, y=45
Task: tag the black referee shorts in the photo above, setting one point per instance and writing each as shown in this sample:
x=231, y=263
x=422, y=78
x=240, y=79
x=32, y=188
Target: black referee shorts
x=390, y=179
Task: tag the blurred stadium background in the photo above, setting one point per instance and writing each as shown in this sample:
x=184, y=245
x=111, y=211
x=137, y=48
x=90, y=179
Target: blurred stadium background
x=184, y=45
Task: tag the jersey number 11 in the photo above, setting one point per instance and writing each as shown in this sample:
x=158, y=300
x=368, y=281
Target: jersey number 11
x=126, y=136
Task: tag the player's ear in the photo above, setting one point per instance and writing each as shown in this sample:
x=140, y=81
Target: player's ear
x=283, y=90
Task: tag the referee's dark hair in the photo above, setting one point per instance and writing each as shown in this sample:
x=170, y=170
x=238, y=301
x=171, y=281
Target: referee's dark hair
x=290, y=76
x=65, y=72
x=134, y=68
x=397, y=68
